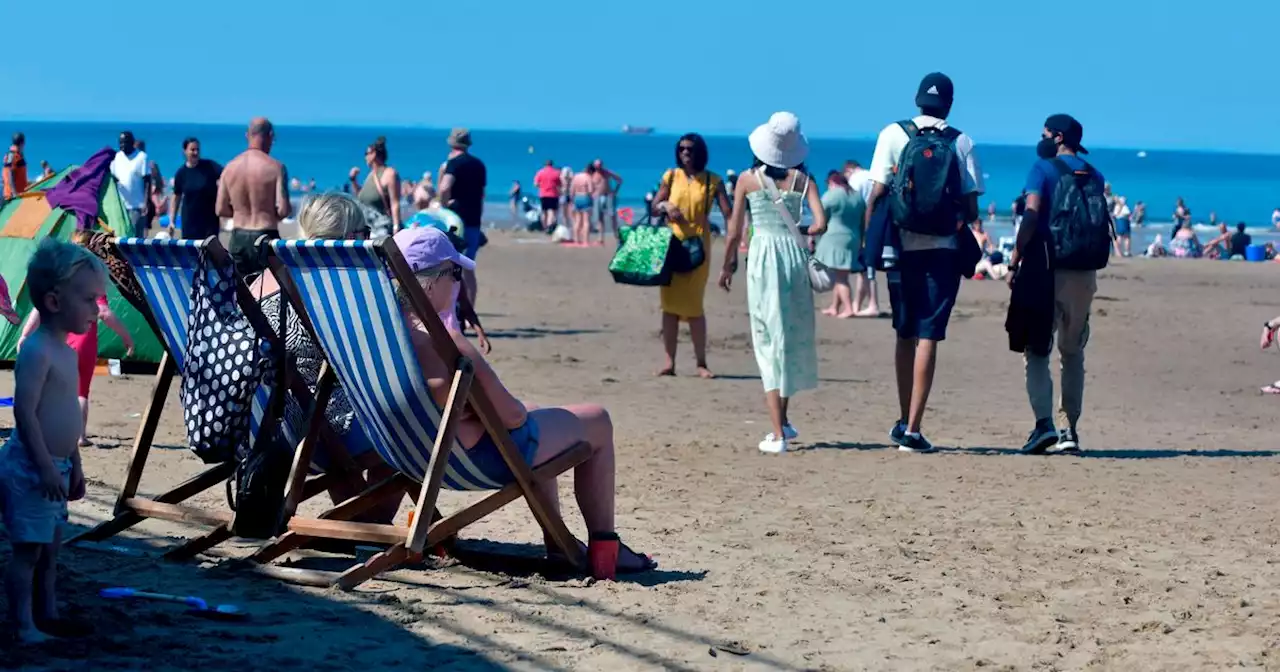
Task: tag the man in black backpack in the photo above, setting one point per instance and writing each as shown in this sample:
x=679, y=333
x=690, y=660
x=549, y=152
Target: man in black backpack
x=930, y=177
x=1069, y=226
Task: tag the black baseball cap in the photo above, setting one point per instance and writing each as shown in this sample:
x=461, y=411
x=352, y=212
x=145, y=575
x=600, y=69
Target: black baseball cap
x=1071, y=130
x=935, y=90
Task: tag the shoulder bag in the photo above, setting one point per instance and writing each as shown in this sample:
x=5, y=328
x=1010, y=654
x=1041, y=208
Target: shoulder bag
x=819, y=274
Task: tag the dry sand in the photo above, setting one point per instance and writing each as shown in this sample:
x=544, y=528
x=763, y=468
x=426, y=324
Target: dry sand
x=1156, y=549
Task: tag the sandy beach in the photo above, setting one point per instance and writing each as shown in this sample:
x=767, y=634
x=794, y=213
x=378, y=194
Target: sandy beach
x=1154, y=550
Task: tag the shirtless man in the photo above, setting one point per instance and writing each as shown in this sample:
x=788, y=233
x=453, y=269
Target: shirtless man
x=604, y=188
x=254, y=191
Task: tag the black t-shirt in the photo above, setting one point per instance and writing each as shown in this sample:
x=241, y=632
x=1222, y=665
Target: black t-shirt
x=1239, y=241
x=468, y=187
x=198, y=188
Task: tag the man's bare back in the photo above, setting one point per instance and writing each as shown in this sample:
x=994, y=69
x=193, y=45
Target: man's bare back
x=254, y=189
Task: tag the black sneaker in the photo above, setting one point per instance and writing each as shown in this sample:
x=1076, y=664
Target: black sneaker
x=1068, y=441
x=898, y=432
x=915, y=444
x=1042, y=438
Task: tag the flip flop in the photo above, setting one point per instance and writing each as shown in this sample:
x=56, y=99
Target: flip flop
x=1272, y=389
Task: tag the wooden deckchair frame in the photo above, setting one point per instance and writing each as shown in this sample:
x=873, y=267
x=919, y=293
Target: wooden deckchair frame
x=407, y=545
x=130, y=509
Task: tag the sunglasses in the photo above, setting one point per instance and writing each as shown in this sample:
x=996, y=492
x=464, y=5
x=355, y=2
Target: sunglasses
x=455, y=272
x=686, y=148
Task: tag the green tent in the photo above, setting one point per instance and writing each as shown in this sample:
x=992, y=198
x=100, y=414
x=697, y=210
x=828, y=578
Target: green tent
x=27, y=219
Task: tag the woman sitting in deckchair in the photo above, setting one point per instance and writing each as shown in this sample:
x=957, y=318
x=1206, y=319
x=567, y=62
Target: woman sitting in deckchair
x=541, y=434
x=326, y=217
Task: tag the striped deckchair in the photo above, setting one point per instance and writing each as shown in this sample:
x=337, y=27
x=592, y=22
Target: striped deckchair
x=166, y=270
x=347, y=292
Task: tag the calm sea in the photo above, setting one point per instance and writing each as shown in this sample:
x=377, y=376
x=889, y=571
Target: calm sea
x=1238, y=187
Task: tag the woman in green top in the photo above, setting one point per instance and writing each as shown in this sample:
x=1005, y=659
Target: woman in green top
x=840, y=248
x=381, y=188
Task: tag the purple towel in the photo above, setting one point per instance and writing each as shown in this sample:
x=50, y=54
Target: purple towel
x=80, y=191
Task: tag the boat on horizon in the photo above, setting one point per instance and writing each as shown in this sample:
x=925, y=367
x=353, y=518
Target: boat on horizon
x=637, y=130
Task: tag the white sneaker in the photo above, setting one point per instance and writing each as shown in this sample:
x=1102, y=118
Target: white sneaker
x=773, y=445
x=789, y=432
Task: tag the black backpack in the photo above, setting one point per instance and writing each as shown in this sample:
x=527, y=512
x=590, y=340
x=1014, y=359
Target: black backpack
x=1079, y=220
x=925, y=193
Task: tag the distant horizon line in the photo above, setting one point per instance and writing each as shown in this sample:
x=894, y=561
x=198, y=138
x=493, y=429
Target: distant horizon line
x=657, y=132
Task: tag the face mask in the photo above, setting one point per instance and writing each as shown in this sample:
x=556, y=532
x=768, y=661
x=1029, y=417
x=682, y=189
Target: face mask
x=1046, y=148
x=450, y=315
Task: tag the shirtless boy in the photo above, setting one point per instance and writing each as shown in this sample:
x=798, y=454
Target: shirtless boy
x=254, y=192
x=40, y=465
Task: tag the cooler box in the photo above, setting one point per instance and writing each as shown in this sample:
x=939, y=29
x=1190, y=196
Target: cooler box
x=1255, y=253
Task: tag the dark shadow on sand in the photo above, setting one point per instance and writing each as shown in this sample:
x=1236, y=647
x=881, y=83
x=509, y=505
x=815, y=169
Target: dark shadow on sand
x=537, y=332
x=143, y=635
x=1120, y=453
x=842, y=445
x=733, y=376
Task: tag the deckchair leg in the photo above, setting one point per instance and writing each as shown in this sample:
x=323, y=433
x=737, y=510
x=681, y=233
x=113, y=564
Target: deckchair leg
x=430, y=491
x=146, y=431
x=290, y=541
x=184, y=491
x=200, y=544
x=302, y=456
x=372, y=567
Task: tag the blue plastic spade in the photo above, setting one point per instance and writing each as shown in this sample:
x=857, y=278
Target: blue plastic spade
x=198, y=606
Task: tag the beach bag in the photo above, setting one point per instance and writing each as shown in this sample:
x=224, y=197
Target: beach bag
x=925, y=192
x=643, y=254
x=688, y=253
x=819, y=275
x=260, y=479
x=224, y=365
x=1079, y=220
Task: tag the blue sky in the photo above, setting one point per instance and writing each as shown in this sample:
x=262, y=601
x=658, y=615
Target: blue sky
x=1161, y=74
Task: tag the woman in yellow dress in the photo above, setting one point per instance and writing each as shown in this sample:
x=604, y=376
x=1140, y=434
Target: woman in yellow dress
x=685, y=196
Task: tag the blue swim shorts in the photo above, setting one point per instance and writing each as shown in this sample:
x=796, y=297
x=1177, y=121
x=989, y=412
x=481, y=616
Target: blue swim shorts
x=582, y=202
x=29, y=517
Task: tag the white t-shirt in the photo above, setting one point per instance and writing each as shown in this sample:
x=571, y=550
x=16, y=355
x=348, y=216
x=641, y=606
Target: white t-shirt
x=129, y=172
x=861, y=182
x=889, y=148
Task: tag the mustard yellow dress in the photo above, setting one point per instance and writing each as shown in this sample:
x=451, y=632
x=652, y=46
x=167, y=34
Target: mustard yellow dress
x=695, y=197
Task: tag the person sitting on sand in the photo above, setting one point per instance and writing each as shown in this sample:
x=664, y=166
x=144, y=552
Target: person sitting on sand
x=1185, y=244
x=1220, y=246
x=1157, y=249
x=541, y=434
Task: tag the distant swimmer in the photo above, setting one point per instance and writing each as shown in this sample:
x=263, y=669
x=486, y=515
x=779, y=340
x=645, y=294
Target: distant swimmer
x=254, y=193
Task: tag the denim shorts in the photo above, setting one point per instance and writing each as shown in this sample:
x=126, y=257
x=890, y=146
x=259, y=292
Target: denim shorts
x=924, y=293
x=486, y=458
x=28, y=516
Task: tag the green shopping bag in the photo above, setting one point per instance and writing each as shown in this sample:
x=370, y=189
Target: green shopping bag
x=642, y=256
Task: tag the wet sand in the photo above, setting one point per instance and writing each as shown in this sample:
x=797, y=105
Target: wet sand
x=1156, y=549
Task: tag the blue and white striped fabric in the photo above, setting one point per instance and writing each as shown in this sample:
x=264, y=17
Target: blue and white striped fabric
x=350, y=298
x=166, y=270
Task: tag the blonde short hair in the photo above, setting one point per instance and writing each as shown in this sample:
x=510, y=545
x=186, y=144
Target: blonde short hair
x=330, y=216
x=54, y=264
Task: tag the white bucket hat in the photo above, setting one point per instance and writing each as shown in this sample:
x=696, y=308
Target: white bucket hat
x=779, y=142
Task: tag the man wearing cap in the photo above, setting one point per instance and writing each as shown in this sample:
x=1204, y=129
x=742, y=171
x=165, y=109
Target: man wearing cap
x=462, y=184
x=1071, y=292
x=928, y=275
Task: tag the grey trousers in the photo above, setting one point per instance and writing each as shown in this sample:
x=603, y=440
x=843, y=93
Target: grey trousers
x=1073, y=298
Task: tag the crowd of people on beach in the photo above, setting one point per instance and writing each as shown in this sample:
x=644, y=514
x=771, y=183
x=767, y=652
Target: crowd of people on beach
x=910, y=217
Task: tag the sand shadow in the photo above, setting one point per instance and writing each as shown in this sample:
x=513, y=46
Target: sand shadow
x=734, y=376
x=501, y=559
x=521, y=333
x=282, y=620
x=1121, y=453
x=842, y=445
